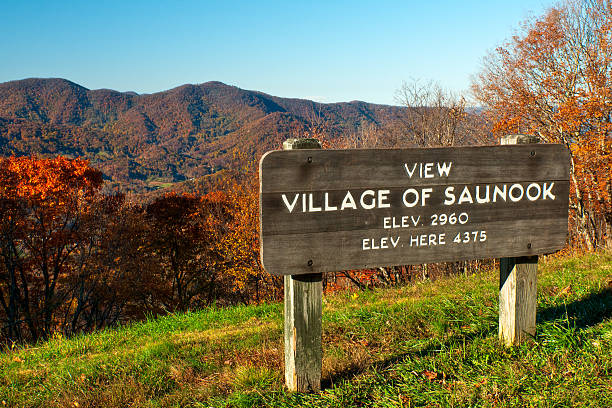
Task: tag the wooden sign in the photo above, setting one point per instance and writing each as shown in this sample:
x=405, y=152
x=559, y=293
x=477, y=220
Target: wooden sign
x=332, y=210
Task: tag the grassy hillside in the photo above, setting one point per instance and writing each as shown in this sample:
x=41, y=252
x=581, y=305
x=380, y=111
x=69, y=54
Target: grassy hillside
x=432, y=344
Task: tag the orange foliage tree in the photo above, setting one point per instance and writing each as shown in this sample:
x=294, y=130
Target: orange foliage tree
x=207, y=246
x=554, y=80
x=185, y=231
x=113, y=270
x=73, y=259
x=42, y=202
x=239, y=243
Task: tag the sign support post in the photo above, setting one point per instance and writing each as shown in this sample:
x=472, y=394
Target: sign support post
x=303, y=317
x=517, y=284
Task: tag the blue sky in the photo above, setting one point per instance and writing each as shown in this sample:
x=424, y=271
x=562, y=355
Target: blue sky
x=328, y=51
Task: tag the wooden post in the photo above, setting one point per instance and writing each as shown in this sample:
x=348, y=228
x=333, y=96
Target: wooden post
x=517, y=284
x=303, y=315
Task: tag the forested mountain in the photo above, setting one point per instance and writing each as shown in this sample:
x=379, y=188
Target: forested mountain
x=143, y=142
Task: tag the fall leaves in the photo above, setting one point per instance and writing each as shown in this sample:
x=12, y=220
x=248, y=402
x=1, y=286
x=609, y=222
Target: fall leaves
x=47, y=181
x=74, y=259
x=554, y=80
x=41, y=203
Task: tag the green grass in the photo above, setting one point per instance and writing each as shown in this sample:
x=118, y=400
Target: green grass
x=429, y=344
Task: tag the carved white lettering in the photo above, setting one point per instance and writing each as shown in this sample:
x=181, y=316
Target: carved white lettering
x=529, y=192
x=382, y=197
x=414, y=240
x=383, y=243
x=423, y=195
x=380, y=243
x=371, y=204
x=428, y=170
x=465, y=196
x=365, y=244
x=404, y=223
x=546, y=192
x=313, y=202
x=394, y=222
x=311, y=206
x=427, y=240
x=499, y=192
x=410, y=172
x=348, y=202
x=516, y=187
x=291, y=206
x=485, y=199
x=395, y=241
x=444, y=169
x=405, y=197
x=327, y=206
x=450, y=196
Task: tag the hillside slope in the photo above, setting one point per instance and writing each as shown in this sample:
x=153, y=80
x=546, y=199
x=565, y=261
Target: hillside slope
x=139, y=141
x=430, y=344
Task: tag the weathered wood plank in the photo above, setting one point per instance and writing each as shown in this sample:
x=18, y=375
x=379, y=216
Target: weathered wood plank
x=517, y=298
x=280, y=221
x=320, y=206
x=303, y=316
x=286, y=171
x=312, y=252
x=517, y=283
x=303, y=329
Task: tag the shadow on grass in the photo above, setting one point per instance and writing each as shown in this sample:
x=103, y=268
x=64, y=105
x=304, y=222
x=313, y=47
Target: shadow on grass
x=431, y=347
x=586, y=312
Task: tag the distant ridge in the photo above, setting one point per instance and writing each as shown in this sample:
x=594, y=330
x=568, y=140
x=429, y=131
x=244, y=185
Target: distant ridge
x=146, y=141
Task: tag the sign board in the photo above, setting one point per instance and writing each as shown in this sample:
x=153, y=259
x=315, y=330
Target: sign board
x=333, y=210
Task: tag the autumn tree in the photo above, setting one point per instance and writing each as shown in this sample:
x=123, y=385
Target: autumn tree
x=112, y=270
x=182, y=239
x=42, y=202
x=241, y=244
x=234, y=202
x=553, y=79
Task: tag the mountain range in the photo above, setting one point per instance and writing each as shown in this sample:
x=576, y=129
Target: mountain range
x=144, y=142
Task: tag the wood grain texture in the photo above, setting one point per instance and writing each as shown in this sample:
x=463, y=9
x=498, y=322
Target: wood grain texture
x=517, y=299
x=278, y=221
x=305, y=241
x=303, y=316
x=517, y=283
x=286, y=171
x=308, y=253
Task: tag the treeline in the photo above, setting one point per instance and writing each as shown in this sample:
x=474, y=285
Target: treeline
x=73, y=259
